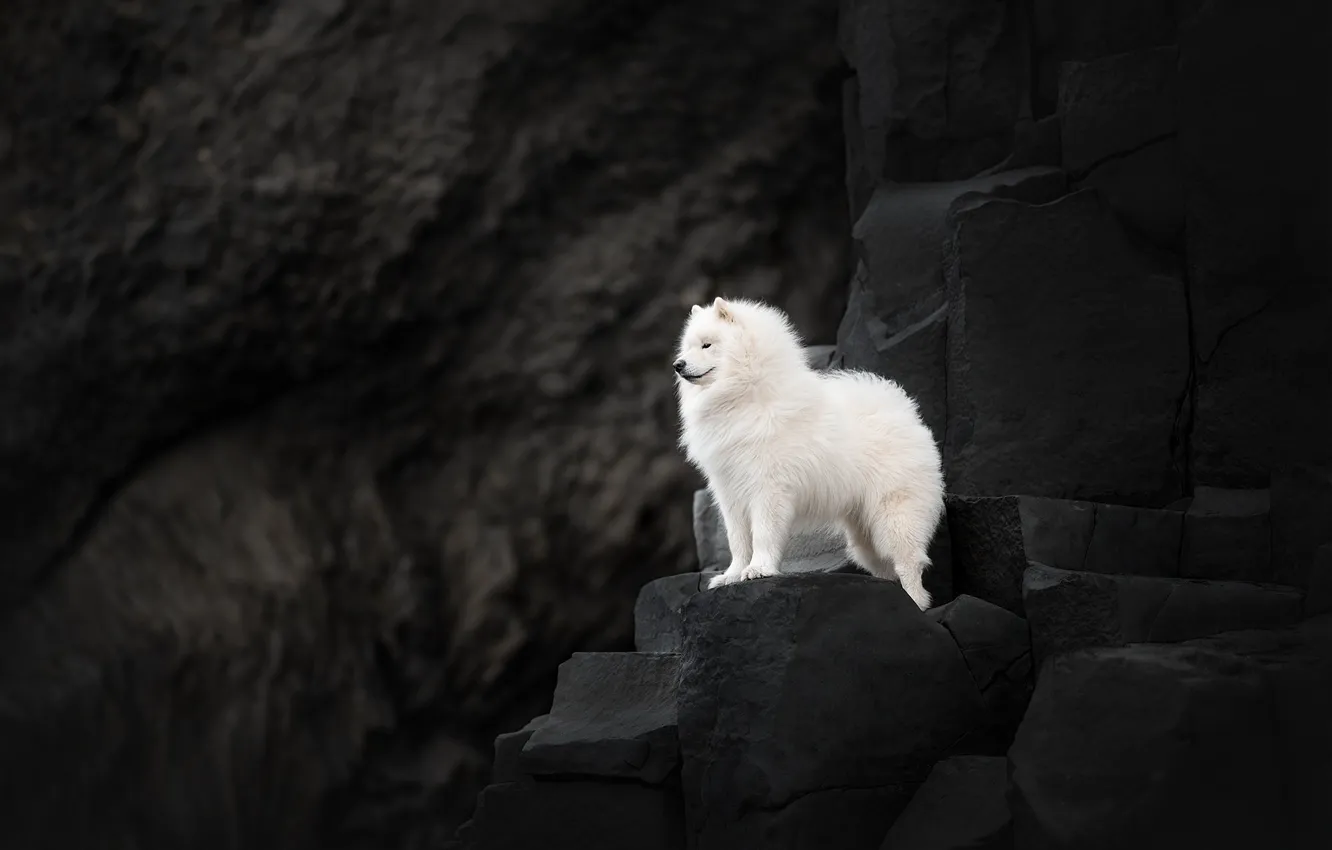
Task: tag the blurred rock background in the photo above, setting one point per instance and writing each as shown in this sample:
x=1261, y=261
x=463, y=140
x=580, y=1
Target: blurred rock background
x=335, y=406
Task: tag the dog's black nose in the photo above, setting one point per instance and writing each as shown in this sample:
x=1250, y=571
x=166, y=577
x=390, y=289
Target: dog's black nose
x=679, y=367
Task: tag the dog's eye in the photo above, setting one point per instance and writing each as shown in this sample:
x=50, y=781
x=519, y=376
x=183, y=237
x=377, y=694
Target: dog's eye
x=707, y=345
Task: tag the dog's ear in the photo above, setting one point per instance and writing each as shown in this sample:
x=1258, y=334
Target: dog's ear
x=723, y=309
x=695, y=309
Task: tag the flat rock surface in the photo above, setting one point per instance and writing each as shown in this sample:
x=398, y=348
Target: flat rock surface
x=614, y=715
x=657, y=623
x=1070, y=610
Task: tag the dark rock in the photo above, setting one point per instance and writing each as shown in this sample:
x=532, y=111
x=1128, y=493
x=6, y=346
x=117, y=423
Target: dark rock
x=996, y=645
x=1035, y=143
x=820, y=356
x=941, y=103
x=1115, y=105
x=988, y=552
x=1297, y=663
x=1146, y=746
x=1071, y=610
x=991, y=638
x=1057, y=532
x=1220, y=742
x=1228, y=535
x=1047, y=395
x=1115, y=539
x=901, y=234
x=1090, y=29
x=508, y=752
x=657, y=621
x=961, y=806
x=862, y=175
x=1301, y=504
x=1144, y=189
x=419, y=390
x=1133, y=541
x=915, y=357
x=996, y=536
x=798, y=688
x=895, y=322
x=604, y=815
x=1318, y=598
x=1256, y=177
x=614, y=715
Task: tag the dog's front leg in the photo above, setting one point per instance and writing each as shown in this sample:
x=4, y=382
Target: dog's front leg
x=771, y=517
x=739, y=539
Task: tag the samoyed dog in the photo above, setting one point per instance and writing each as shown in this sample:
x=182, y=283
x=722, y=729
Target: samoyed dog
x=786, y=449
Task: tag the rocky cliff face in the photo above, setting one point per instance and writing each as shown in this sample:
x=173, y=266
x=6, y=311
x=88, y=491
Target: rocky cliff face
x=1091, y=238
x=335, y=387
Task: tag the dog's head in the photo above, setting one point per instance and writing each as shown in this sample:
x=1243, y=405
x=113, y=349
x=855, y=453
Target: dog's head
x=704, y=342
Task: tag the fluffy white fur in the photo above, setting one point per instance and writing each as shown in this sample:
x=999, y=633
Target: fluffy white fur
x=786, y=448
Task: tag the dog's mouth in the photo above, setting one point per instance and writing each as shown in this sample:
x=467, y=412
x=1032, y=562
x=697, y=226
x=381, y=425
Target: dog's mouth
x=694, y=379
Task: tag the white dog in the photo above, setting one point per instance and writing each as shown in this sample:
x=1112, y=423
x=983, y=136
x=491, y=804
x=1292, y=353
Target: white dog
x=785, y=448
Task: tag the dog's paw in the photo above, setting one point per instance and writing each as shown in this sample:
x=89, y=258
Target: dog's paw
x=717, y=581
x=751, y=573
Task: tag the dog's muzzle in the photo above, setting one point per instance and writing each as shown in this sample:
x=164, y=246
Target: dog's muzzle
x=693, y=379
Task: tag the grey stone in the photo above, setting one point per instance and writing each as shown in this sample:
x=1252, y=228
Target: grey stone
x=1318, y=598
x=1116, y=105
x=614, y=715
x=1035, y=143
x=996, y=536
x=1047, y=395
x=901, y=234
x=508, y=752
x=1071, y=610
x=996, y=645
x=1116, y=539
x=1146, y=746
x=342, y=478
x=1253, y=148
x=1089, y=29
x=602, y=815
x=1145, y=190
x=961, y=806
x=799, y=684
x=1057, y=532
x=657, y=621
x=1301, y=505
x=895, y=322
x=989, y=555
x=1228, y=535
x=939, y=86
x=820, y=356
x=1133, y=541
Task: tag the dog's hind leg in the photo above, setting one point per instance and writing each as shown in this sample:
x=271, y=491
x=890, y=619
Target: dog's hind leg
x=861, y=547
x=900, y=531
